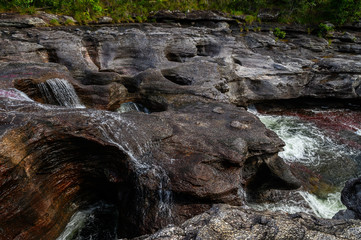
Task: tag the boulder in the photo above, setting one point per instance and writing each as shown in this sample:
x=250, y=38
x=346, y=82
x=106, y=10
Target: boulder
x=157, y=168
x=351, y=198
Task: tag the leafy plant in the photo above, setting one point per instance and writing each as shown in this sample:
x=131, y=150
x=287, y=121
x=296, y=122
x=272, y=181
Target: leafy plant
x=299, y=11
x=69, y=22
x=54, y=22
x=279, y=33
x=324, y=29
x=250, y=19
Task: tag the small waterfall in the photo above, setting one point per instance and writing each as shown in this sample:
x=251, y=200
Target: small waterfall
x=115, y=128
x=165, y=198
x=98, y=221
x=60, y=92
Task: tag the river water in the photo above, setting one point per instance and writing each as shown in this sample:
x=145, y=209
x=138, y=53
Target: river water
x=323, y=149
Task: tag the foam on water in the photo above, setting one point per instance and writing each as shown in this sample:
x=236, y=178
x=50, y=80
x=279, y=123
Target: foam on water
x=308, y=145
x=325, y=208
x=305, y=142
x=288, y=207
x=60, y=91
x=99, y=221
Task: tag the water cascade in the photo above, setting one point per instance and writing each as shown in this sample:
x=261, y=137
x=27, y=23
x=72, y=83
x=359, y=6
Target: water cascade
x=60, y=92
x=142, y=199
x=99, y=221
x=322, y=157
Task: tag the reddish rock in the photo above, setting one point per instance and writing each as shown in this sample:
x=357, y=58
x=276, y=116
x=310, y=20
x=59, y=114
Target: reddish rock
x=159, y=168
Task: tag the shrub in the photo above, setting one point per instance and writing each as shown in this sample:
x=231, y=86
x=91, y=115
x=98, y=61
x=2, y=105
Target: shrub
x=324, y=30
x=54, y=22
x=279, y=33
x=250, y=19
x=69, y=22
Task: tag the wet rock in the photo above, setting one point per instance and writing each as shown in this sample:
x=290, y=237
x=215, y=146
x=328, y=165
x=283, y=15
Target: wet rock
x=195, y=149
x=158, y=168
x=351, y=198
x=227, y=222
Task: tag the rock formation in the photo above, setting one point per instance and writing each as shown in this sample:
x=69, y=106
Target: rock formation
x=198, y=147
x=351, y=197
x=229, y=222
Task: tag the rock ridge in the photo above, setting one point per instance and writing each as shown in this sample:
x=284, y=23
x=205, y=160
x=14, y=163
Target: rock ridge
x=198, y=146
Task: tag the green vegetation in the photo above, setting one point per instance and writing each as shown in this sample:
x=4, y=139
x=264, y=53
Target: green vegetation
x=324, y=30
x=54, y=22
x=279, y=33
x=291, y=11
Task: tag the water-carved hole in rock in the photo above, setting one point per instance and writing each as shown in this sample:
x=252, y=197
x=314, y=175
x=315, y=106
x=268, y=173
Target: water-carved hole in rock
x=52, y=55
x=91, y=45
x=177, y=56
x=260, y=178
x=30, y=88
x=208, y=49
x=54, y=91
x=154, y=104
x=92, y=173
x=177, y=78
x=173, y=57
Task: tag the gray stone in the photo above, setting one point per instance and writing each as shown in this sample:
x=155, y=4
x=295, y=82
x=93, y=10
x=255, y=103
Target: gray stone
x=105, y=20
x=227, y=222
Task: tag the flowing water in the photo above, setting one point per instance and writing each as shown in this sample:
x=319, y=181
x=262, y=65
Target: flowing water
x=60, y=92
x=322, y=155
x=132, y=107
x=98, y=221
x=13, y=93
x=114, y=128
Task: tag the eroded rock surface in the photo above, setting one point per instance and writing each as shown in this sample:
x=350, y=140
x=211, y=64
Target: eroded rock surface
x=160, y=168
x=212, y=61
x=195, y=149
x=351, y=198
x=227, y=222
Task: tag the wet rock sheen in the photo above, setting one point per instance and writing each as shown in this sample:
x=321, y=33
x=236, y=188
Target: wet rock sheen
x=196, y=146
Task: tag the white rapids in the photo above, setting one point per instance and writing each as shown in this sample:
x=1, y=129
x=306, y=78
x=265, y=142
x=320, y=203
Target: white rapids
x=308, y=145
x=60, y=92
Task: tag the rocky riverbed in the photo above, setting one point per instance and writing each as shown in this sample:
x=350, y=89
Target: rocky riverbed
x=197, y=146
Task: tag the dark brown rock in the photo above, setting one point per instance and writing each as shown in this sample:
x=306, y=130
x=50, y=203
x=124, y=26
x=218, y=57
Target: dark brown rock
x=160, y=168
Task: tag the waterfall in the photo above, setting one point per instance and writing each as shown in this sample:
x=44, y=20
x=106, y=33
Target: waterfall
x=119, y=131
x=165, y=198
x=98, y=221
x=320, y=151
x=60, y=92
